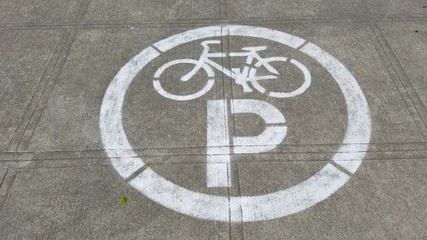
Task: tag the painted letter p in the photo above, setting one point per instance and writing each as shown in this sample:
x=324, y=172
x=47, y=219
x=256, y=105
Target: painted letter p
x=218, y=141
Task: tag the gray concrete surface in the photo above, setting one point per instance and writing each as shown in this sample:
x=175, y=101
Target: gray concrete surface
x=57, y=59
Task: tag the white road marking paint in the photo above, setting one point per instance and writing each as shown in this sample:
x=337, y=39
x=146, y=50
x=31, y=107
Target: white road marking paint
x=209, y=84
x=264, y=142
x=270, y=137
x=218, y=169
x=218, y=150
x=301, y=89
x=269, y=113
x=111, y=126
x=246, y=208
x=180, y=199
x=244, y=76
x=350, y=154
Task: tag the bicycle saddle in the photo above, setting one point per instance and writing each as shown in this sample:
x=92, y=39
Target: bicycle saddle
x=255, y=49
x=207, y=42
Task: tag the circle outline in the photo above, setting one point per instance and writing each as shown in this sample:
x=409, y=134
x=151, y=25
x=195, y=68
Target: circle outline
x=245, y=208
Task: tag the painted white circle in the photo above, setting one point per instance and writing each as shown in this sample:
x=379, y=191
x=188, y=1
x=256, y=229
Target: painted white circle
x=245, y=208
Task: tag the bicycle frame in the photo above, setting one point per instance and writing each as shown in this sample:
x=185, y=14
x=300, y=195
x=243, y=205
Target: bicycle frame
x=241, y=76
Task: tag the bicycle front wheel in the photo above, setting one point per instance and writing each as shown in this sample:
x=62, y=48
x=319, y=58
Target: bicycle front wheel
x=286, y=94
x=177, y=65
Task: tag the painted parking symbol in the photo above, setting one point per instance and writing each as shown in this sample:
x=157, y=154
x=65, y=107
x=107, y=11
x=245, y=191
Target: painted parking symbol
x=284, y=202
x=218, y=168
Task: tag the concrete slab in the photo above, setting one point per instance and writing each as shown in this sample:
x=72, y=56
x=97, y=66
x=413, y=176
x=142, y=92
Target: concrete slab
x=396, y=8
x=58, y=183
x=309, y=115
x=379, y=202
x=285, y=9
x=39, y=11
x=151, y=10
x=408, y=42
x=84, y=202
x=3, y=172
x=65, y=123
x=25, y=56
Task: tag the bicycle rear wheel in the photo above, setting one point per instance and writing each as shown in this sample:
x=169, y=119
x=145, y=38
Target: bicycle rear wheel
x=284, y=94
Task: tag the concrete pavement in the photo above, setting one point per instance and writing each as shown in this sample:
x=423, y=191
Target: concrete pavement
x=335, y=148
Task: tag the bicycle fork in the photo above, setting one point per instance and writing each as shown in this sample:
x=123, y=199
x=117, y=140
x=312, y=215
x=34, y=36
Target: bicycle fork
x=248, y=75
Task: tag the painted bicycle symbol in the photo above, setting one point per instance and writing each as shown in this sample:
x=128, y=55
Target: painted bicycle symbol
x=245, y=77
x=222, y=143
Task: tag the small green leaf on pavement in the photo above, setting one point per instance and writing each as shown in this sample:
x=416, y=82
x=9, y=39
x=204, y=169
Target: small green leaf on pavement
x=123, y=200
